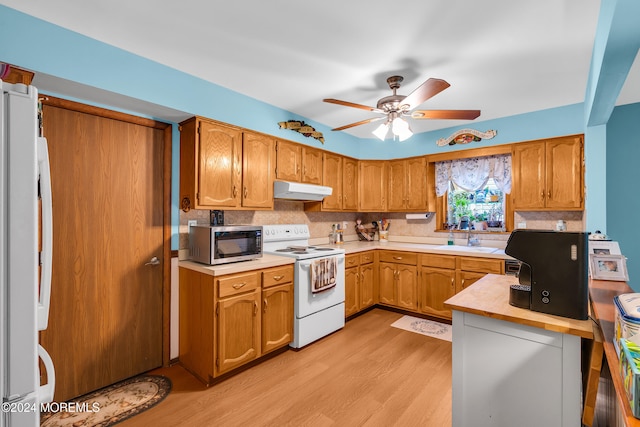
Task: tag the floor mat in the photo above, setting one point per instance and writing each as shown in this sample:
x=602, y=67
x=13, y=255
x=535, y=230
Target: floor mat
x=425, y=327
x=109, y=405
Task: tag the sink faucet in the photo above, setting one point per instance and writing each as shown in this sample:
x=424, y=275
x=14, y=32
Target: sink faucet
x=472, y=238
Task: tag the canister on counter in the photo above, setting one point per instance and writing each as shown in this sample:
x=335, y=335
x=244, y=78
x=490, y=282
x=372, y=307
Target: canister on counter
x=627, y=319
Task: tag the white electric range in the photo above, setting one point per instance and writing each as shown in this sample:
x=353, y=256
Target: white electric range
x=318, y=281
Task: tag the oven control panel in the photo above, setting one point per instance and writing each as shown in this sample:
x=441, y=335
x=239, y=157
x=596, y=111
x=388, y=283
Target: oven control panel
x=281, y=232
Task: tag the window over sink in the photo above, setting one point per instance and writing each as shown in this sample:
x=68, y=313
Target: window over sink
x=473, y=192
x=481, y=210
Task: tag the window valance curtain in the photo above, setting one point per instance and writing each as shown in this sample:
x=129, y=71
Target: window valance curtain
x=472, y=174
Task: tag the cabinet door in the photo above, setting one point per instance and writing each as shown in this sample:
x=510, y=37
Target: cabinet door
x=258, y=170
x=277, y=317
x=564, y=187
x=351, y=294
x=416, y=184
x=373, y=186
x=367, y=286
x=238, y=340
x=311, y=166
x=407, y=286
x=387, y=283
x=467, y=278
x=396, y=190
x=288, y=161
x=437, y=285
x=332, y=177
x=219, y=166
x=528, y=175
x=349, y=184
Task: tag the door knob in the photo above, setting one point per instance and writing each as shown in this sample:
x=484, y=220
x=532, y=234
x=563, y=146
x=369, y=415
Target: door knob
x=153, y=261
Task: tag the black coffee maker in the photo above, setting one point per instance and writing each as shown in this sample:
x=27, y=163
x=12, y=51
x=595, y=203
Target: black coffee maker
x=555, y=271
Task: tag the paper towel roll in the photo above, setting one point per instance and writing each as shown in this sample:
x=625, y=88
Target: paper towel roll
x=425, y=215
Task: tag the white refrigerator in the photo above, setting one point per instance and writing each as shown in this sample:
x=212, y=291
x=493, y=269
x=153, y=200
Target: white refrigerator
x=25, y=288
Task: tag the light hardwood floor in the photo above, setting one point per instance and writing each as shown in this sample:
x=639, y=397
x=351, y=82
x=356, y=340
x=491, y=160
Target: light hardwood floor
x=367, y=374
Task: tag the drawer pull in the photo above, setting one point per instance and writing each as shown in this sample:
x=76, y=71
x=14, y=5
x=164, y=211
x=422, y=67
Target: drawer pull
x=239, y=285
x=279, y=277
x=397, y=257
x=265, y=305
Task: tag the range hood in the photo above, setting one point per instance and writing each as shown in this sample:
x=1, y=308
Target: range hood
x=299, y=191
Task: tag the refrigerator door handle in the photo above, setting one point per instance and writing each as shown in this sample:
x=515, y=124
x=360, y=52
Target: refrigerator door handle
x=47, y=234
x=45, y=392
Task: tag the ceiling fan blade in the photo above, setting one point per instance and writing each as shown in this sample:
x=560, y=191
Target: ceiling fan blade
x=423, y=92
x=351, y=104
x=362, y=122
x=446, y=114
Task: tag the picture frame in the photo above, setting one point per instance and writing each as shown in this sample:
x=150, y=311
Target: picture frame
x=604, y=247
x=608, y=267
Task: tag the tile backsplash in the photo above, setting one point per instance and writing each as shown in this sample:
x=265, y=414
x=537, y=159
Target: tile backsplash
x=292, y=212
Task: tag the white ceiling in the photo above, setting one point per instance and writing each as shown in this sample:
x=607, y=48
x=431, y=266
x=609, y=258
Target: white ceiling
x=503, y=57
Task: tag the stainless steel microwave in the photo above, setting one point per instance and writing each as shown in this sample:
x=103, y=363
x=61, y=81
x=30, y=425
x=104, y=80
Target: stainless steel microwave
x=222, y=244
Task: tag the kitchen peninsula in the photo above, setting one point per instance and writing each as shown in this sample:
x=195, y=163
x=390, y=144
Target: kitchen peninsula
x=513, y=366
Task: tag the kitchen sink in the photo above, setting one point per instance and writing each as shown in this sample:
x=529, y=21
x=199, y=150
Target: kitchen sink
x=458, y=248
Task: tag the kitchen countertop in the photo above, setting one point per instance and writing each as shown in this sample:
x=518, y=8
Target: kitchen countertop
x=351, y=247
x=489, y=297
x=602, y=293
x=476, y=251
x=266, y=261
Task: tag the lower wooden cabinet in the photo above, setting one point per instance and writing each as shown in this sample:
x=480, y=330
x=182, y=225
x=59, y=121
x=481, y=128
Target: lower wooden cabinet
x=397, y=276
x=277, y=312
x=238, y=331
x=436, y=286
x=230, y=320
x=442, y=276
x=359, y=282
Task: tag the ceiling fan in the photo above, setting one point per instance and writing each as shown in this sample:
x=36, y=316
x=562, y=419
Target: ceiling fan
x=394, y=107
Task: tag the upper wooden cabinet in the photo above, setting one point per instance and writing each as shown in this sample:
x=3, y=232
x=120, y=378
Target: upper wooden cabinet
x=298, y=163
x=311, y=165
x=288, y=161
x=408, y=185
x=372, y=185
x=548, y=175
x=223, y=167
x=258, y=170
x=210, y=165
x=341, y=174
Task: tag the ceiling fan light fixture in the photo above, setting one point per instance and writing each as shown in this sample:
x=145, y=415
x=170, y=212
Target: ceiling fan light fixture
x=381, y=131
x=400, y=128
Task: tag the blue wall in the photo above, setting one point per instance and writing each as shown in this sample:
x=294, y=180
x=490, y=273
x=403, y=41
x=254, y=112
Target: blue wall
x=37, y=45
x=623, y=179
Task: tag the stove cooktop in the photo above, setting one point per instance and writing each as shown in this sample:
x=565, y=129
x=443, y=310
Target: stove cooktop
x=292, y=240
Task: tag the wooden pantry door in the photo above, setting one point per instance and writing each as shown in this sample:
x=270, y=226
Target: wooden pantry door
x=110, y=179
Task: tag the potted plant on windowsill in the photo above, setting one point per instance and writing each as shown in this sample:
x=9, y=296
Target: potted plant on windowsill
x=495, y=217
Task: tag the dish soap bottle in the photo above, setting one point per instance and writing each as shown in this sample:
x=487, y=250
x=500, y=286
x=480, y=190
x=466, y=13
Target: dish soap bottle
x=450, y=239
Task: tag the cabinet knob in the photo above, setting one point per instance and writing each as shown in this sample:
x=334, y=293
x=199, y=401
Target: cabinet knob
x=549, y=194
x=265, y=305
x=235, y=191
x=245, y=192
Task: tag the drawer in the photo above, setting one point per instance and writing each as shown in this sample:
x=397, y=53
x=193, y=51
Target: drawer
x=238, y=283
x=399, y=257
x=277, y=276
x=352, y=260
x=481, y=265
x=439, y=261
x=366, y=257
